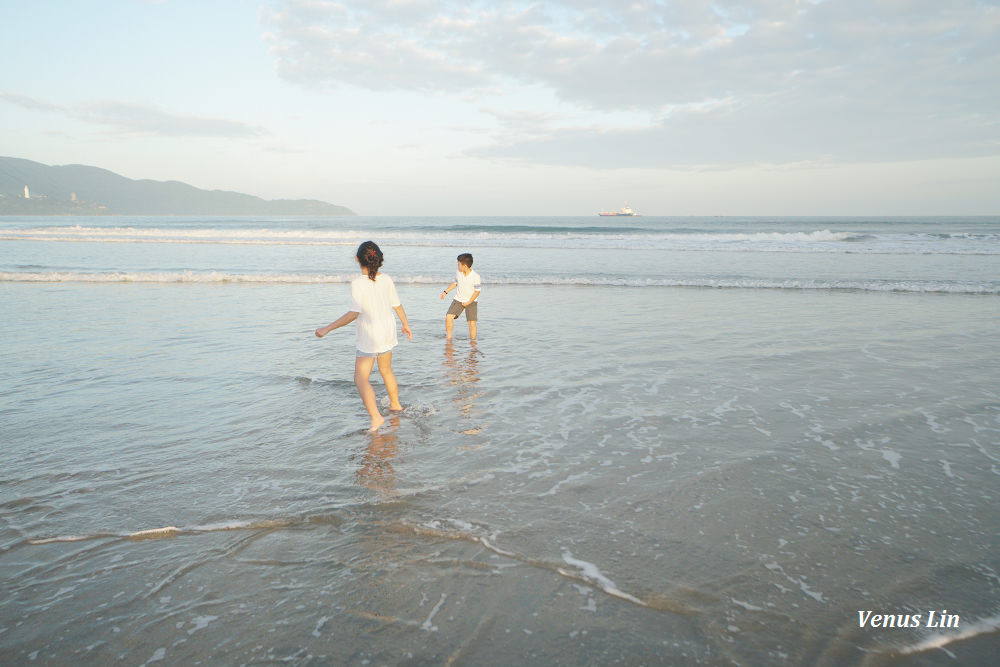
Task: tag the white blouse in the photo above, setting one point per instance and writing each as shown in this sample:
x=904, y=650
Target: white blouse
x=376, y=323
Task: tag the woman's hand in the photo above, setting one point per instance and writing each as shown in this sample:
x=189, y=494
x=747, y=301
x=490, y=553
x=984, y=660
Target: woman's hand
x=406, y=330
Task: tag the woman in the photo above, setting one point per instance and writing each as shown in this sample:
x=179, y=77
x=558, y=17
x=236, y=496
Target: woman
x=373, y=298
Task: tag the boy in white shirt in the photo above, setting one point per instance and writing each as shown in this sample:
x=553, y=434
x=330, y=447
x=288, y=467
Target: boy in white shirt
x=469, y=285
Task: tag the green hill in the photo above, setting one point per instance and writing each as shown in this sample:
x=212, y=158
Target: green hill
x=101, y=192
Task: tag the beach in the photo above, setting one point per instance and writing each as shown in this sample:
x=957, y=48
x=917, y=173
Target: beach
x=677, y=440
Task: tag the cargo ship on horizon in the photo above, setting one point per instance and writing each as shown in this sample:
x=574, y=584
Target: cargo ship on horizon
x=623, y=211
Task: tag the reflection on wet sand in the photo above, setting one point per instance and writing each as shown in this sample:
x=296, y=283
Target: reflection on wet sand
x=463, y=373
x=376, y=472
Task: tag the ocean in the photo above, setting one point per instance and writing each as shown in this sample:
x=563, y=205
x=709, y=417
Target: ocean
x=676, y=440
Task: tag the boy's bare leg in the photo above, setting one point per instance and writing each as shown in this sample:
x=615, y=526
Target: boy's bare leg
x=449, y=322
x=472, y=330
x=362, y=369
x=391, y=386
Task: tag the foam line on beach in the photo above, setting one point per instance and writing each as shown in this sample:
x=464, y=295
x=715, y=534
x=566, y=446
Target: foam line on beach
x=174, y=531
x=221, y=277
x=71, y=538
x=453, y=529
x=154, y=533
x=428, y=625
x=591, y=573
x=584, y=572
x=983, y=626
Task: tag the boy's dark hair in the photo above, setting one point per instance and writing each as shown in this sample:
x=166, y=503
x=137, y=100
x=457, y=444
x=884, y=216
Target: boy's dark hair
x=466, y=259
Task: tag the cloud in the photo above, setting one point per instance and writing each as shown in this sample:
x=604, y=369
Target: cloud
x=379, y=45
x=133, y=118
x=720, y=81
x=26, y=102
x=139, y=119
x=766, y=131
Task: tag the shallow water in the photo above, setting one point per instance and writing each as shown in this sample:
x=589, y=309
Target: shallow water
x=735, y=487
x=611, y=474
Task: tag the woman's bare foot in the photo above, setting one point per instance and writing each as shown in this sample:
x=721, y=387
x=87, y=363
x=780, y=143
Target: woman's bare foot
x=376, y=423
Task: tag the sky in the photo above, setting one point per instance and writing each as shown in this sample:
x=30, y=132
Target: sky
x=562, y=107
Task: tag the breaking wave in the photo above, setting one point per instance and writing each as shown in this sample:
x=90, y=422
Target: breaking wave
x=823, y=240
x=217, y=277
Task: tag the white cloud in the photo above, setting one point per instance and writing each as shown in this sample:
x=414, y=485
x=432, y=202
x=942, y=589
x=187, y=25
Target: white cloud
x=722, y=82
x=140, y=119
x=134, y=118
x=25, y=102
x=376, y=45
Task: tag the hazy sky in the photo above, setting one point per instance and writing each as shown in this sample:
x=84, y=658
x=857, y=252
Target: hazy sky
x=565, y=107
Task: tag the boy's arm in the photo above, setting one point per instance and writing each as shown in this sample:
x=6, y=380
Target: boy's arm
x=475, y=295
x=402, y=318
x=346, y=318
x=450, y=287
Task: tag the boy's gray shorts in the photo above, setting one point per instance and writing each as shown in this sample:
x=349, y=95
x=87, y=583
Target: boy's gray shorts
x=471, y=311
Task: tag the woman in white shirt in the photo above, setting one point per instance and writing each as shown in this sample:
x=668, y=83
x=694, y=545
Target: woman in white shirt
x=373, y=298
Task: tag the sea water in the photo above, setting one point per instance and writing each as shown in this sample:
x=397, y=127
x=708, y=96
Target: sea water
x=718, y=440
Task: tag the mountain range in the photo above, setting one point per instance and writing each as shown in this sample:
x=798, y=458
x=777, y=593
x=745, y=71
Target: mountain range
x=82, y=190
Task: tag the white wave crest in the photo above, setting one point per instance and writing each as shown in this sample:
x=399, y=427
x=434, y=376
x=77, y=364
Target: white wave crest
x=207, y=277
x=818, y=241
x=218, y=277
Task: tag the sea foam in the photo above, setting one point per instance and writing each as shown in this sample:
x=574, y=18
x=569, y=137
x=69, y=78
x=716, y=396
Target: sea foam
x=222, y=277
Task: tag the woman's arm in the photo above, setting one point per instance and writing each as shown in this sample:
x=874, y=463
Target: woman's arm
x=402, y=318
x=346, y=318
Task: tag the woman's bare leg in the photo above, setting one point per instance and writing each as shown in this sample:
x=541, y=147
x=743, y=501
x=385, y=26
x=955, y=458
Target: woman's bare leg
x=391, y=386
x=362, y=369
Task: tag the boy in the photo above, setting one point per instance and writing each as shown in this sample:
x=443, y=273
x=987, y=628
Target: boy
x=469, y=285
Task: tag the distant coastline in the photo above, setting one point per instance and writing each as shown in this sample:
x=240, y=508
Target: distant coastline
x=32, y=188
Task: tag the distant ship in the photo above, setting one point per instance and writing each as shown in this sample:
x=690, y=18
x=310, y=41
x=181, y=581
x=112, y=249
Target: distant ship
x=624, y=210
